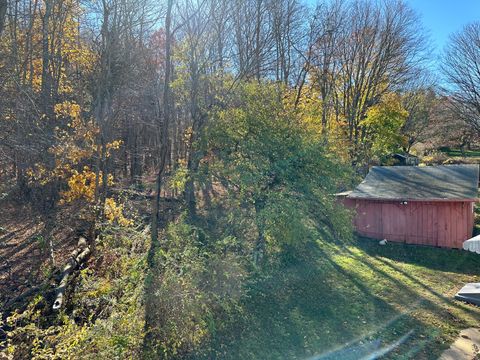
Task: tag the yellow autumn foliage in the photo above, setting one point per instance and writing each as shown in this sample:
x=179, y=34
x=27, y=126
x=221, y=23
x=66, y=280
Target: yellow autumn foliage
x=114, y=145
x=384, y=122
x=114, y=213
x=309, y=115
x=71, y=51
x=38, y=173
x=81, y=185
x=67, y=109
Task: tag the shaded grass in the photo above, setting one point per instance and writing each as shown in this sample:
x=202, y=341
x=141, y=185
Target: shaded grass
x=345, y=301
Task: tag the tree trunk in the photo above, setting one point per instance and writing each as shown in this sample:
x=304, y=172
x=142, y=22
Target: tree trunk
x=259, y=251
x=190, y=197
x=3, y=13
x=164, y=134
x=150, y=318
x=78, y=257
x=46, y=76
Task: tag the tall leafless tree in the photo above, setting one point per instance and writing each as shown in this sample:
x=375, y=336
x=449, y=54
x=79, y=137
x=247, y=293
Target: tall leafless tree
x=381, y=50
x=461, y=66
x=3, y=13
x=165, y=122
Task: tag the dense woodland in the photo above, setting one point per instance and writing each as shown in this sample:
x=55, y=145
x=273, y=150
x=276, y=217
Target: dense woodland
x=194, y=147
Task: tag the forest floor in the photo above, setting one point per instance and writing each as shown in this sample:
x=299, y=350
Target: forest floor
x=25, y=260
x=24, y=252
x=350, y=301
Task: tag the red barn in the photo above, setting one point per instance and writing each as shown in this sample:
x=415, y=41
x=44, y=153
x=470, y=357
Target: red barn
x=430, y=205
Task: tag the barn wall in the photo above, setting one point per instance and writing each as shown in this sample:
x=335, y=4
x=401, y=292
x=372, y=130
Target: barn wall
x=445, y=224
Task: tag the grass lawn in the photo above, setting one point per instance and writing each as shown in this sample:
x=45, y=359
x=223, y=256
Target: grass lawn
x=351, y=300
x=458, y=153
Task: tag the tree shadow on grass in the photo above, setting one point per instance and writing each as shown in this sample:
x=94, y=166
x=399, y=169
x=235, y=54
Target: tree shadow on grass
x=449, y=315
x=447, y=260
x=395, y=291
x=398, y=273
x=309, y=308
x=329, y=302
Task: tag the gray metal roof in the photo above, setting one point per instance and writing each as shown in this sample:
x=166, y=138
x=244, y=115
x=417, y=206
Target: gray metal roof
x=443, y=182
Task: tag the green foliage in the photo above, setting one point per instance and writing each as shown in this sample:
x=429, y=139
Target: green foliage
x=201, y=283
x=41, y=241
x=179, y=178
x=384, y=122
x=269, y=162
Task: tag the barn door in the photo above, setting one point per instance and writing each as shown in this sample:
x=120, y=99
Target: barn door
x=414, y=220
x=444, y=225
x=422, y=224
x=394, y=221
x=430, y=225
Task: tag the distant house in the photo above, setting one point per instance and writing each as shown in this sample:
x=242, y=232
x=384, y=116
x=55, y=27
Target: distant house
x=406, y=159
x=430, y=205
